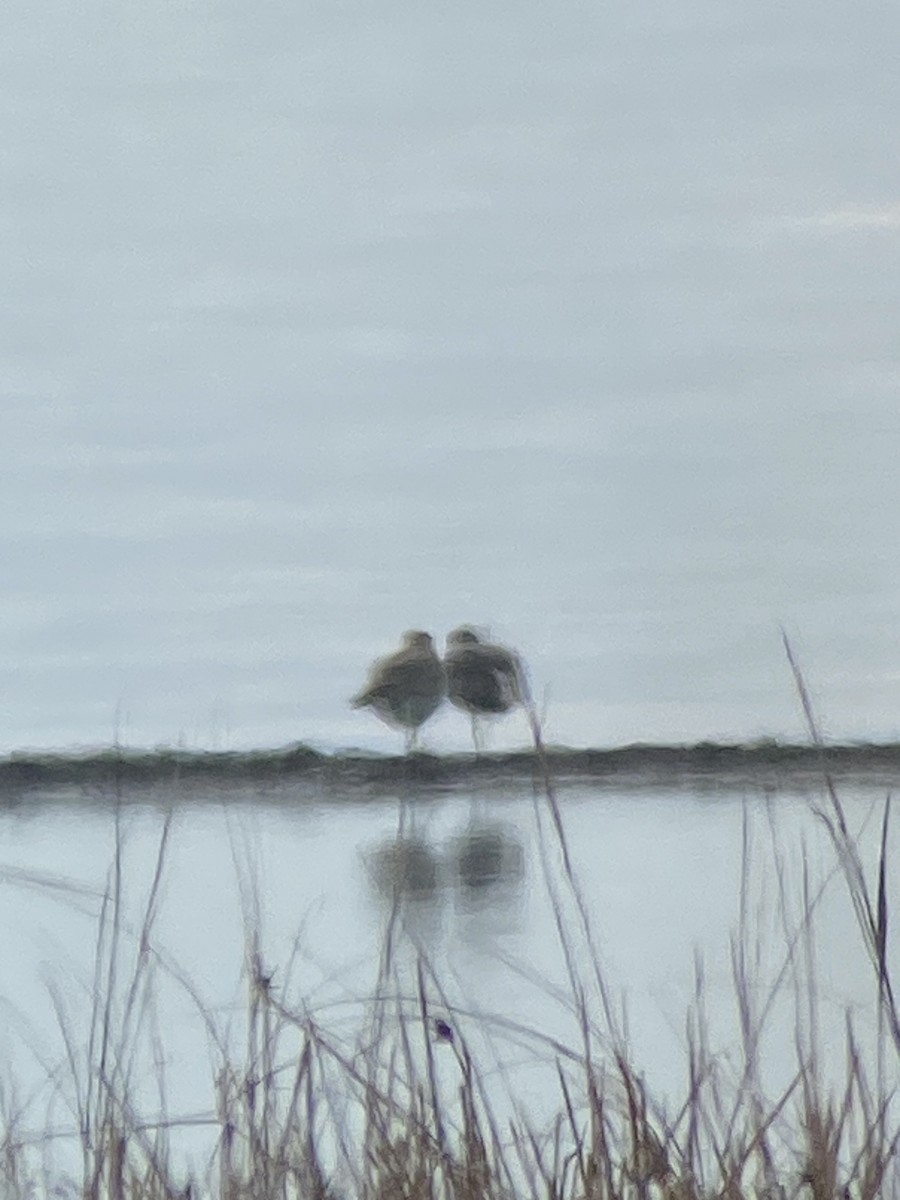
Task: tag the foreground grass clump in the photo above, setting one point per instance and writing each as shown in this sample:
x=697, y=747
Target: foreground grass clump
x=406, y=1102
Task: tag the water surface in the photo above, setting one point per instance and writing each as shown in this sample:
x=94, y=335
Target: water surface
x=477, y=876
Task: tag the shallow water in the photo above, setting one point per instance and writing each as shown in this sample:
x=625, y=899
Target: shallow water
x=660, y=873
x=325, y=322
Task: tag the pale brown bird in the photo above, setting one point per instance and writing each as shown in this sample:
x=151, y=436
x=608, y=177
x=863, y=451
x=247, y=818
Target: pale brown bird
x=483, y=678
x=406, y=688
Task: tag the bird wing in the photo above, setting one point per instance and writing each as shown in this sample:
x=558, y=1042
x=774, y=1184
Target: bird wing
x=399, y=674
x=509, y=672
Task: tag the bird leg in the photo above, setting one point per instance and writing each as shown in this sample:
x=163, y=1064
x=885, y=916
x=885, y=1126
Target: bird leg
x=477, y=736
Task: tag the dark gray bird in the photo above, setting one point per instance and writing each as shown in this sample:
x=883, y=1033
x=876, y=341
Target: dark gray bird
x=406, y=688
x=483, y=678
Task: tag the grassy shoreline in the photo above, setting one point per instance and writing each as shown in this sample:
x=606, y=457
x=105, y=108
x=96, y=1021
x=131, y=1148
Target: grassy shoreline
x=764, y=764
x=404, y=1105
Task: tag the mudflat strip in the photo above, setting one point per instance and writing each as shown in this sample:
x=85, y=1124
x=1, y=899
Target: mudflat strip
x=706, y=766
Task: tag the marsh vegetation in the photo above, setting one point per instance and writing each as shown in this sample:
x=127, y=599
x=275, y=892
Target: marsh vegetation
x=407, y=1091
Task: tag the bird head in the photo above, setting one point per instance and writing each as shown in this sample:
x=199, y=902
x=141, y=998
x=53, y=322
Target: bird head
x=464, y=636
x=418, y=640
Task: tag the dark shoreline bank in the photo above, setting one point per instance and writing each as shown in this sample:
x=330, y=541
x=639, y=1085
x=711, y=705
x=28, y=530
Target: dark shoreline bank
x=760, y=765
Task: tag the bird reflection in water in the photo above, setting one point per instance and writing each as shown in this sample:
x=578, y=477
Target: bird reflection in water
x=406, y=867
x=484, y=863
x=488, y=857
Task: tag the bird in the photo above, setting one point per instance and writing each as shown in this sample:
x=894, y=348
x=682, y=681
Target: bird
x=406, y=688
x=483, y=678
